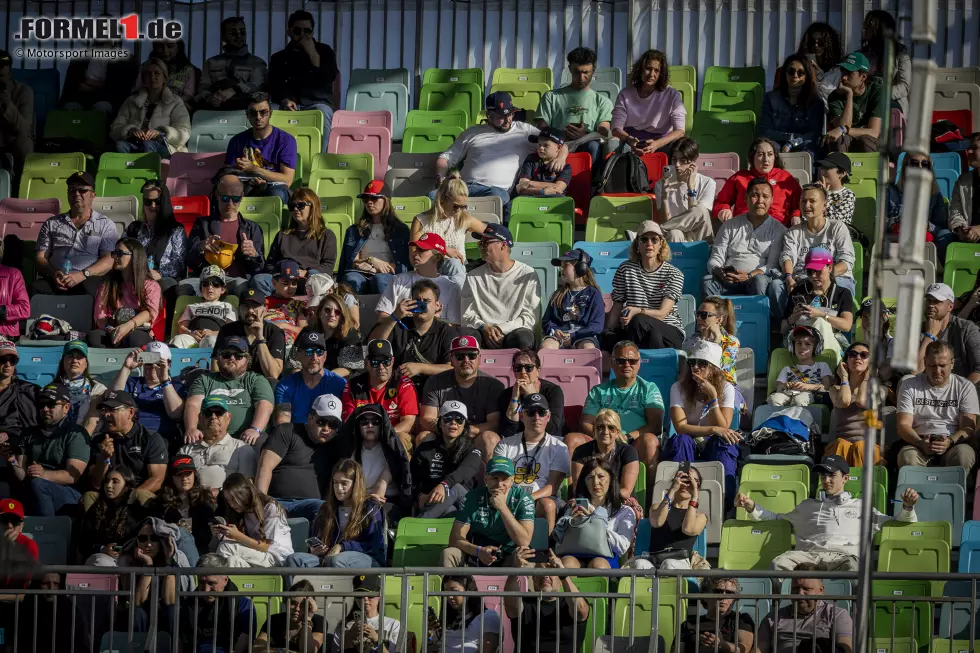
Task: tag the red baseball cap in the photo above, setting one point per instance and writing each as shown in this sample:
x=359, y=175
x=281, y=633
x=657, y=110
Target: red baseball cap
x=373, y=189
x=464, y=343
x=430, y=241
x=12, y=507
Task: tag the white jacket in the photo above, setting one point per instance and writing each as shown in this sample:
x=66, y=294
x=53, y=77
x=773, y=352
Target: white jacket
x=170, y=118
x=833, y=524
x=511, y=300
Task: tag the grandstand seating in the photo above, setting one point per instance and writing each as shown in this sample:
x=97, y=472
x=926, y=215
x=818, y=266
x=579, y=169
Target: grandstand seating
x=752, y=544
x=375, y=97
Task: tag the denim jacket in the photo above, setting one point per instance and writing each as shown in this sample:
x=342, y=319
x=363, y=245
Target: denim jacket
x=354, y=240
x=783, y=122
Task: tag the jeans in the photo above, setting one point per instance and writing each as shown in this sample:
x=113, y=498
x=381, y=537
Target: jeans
x=104, y=107
x=942, y=238
x=301, y=560
x=269, y=190
x=352, y=560
x=365, y=284
x=481, y=190
x=301, y=508
x=594, y=149
x=760, y=284
x=133, y=147
x=681, y=448
x=849, y=283
x=49, y=497
x=262, y=283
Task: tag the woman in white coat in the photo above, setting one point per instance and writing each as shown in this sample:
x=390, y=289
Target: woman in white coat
x=152, y=119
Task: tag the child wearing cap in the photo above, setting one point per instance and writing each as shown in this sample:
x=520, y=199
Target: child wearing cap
x=808, y=380
x=576, y=313
x=833, y=171
x=199, y=323
x=538, y=175
x=427, y=255
x=285, y=310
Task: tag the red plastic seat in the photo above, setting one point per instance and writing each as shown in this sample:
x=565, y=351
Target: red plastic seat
x=580, y=189
x=655, y=163
x=962, y=118
x=189, y=209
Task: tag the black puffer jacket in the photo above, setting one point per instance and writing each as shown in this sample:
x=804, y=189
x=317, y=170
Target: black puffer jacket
x=349, y=444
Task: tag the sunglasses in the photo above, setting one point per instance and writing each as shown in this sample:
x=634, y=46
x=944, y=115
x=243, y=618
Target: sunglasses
x=143, y=539
x=120, y=253
x=9, y=360
x=453, y=419
x=704, y=315
x=229, y=355
x=459, y=207
x=726, y=592
x=300, y=31
x=863, y=355
x=465, y=357
x=627, y=361
x=380, y=362
x=649, y=239
x=79, y=191
x=299, y=205
x=919, y=163
x=214, y=412
x=151, y=202
x=257, y=112
x=811, y=272
x=327, y=421
x=370, y=421
x=697, y=363
x=234, y=199
x=523, y=368
x=314, y=351
x=332, y=312
x=536, y=412
x=796, y=72
x=212, y=284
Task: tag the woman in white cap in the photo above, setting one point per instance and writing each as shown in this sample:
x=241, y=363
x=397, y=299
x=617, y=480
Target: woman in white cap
x=646, y=291
x=447, y=466
x=702, y=407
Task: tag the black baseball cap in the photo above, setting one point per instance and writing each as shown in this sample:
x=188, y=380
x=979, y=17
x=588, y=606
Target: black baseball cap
x=835, y=160
x=549, y=134
x=501, y=102
x=54, y=392
x=535, y=400
x=116, y=399
x=232, y=342
x=831, y=464
x=254, y=295
x=369, y=583
x=379, y=349
x=81, y=178
x=308, y=339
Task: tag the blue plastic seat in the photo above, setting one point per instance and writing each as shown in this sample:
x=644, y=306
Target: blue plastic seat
x=752, y=324
x=46, y=84
x=912, y=475
x=391, y=97
x=612, y=250
x=692, y=260
x=937, y=502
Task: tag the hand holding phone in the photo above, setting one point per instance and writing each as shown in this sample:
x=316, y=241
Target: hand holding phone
x=148, y=358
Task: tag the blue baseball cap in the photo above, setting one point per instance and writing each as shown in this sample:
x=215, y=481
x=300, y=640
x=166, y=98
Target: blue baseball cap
x=496, y=232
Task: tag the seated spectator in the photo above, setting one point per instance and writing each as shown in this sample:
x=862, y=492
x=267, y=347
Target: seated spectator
x=885, y=372
x=17, y=124
x=833, y=171
x=577, y=110
x=470, y=626
x=53, y=454
x=537, y=175
x=15, y=305
x=649, y=114
x=608, y=445
x=828, y=529
x=636, y=400
x=163, y=238
x=721, y=628
x=18, y=398
x=849, y=395
x=365, y=628
x=350, y=524
x=880, y=26
x=212, y=622
x=822, y=48
x=266, y=343
x=446, y=467
x=112, y=518
x=183, y=502
x=965, y=306
x=57, y=621
x=597, y=501
x=299, y=628
x=489, y=156
x=792, y=113
x=249, y=394
x=284, y=308
x=575, y=315
x=73, y=372
x=67, y=264
x=964, y=221
x=427, y=256
x=685, y=196
x=159, y=398
x=542, y=473
x=421, y=348
x=714, y=321
x=225, y=239
x=231, y=77
x=817, y=231
x=938, y=223
x=544, y=621
x=806, y=381
x=854, y=116
x=937, y=414
x=200, y=323
x=806, y=621
x=821, y=303
x=939, y=324
x=784, y=203
x=466, y=384
x=128, y=302
x=380, y=384
x=676, y=523
x=127, y=442
x=218, y=455
x=526, y=366
x=450, y=220
x=12, y=521
x=264, y=156
x=645, y=294
x=703, y=412
x=97, y=84
x=332, y=317
x=376, y=248
x=501, y=298
x=494, y=521
x=256, y=533
x=153, y=119
x=304, y=75
x=745, y=254
x=307, y=242
x=294, y=466
x=295, y=393
x=184, y=76
x=368, y=437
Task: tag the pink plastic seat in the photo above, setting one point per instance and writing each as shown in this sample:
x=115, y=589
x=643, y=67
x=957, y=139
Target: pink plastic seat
x=490, y=586
x=25, y=226
x=720, y=175
x=575, y=383
x=362, y=119
x=354, y=140
x=191, y=173
x=554, y=359
x=497, y=357
x=726, y=161
x=500, y=371
x=92, y=581
x=16, y=205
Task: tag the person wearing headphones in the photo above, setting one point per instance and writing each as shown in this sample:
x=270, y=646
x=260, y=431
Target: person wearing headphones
x=576, y=314
x=802, y=383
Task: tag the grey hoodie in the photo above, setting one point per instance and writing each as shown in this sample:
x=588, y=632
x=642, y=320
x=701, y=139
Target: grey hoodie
x=168, y=532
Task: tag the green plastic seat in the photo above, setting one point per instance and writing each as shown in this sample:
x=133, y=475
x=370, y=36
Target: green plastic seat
x=640, y=488
x=753, y=545
x=724, y=74
x=338, y=223
x=598, y=608
x=667, y=608
x=754, y=472
x=951, y=646
x=956, y=251
x=524, y=95
x=781, y=357
x=892, y=645
x=46, y=184
x=429, y=140
x=117, y=161
x=686, y=73
x=309, y=142
x=363, y=161
x=419, y=542
x=960, y=275
x=454, y=76
x=688, y=93
x=290, y=119
x=720, y=132
x=778, y=496
x=454, y=96
x=919, y=555
x=124, y=182
x=894, y=611
x=454, y=118
x=340, y=183
x=543, y=220
x=264, y=605
x=856, y=489
x=864, y=165
x=417, y=615
x=71, y=161
x=522, y=76
x=406, y=208
x=733, y=96
x=858, y=270
x=865, y=199
x=267, y=213
x=89, y=126
x=610, y=217
x=917, y=531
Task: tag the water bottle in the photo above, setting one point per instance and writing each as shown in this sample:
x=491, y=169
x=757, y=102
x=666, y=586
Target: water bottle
x=150, y=264
x=66, y=265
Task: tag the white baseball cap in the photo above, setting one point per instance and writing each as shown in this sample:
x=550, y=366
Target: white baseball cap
x=705, y=350
x=940, y=291
x=326, y=406
x=453, y=406
x=158, y=347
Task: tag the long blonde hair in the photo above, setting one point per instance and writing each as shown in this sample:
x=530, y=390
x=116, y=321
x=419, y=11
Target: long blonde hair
x=358, y=501
x=316, y=225
x=451, y=187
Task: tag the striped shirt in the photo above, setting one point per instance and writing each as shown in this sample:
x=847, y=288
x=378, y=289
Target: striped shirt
x=60, y=240
x=634, y=286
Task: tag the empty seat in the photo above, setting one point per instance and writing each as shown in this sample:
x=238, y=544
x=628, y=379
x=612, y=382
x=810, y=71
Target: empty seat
x=411, y=174
x=544, y=227
x=222, y=120
x=61, y=161
x=580, y=188
x=610, y=217
x=554, y=358
x=452, y=96
x=724, y=131
x=406, y=208
x=912, y=475
x=25, y=226
x=955, y=96
x=454, y=76
x=523, y=76
x=894, y=270
x=429, y=140
x=289, y=119
x=753, y=545
x=419, y=542
x=373, y=140
x=52, y=536
x=361, y=119
x=143, y=161
x=390, y=97
x=937, y=502
x=752, y=323
x=88, y=126
x=636, y=619
x=18, y=205
x=733, y=96
x=212, y=137
x=575, y=382
x=897, y=616
x=692, y=260
x=718, y=160
x=264, y=605
x=191, y=174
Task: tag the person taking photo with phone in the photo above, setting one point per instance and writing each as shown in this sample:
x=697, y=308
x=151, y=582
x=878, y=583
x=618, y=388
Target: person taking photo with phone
x=159, y=398
x=685, y=196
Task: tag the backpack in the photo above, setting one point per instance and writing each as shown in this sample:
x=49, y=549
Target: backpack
x=622, y=172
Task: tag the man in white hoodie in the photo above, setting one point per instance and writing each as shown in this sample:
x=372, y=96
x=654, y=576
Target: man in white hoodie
x=501, y=299
x=828, y=530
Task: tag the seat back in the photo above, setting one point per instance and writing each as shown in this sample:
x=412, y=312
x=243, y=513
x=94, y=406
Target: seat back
x=955, y=618
x=753, y=545
x=918, y=555
x=190, y=174
x=417, y=615
x=454, y=76
x=710, y=504
x=433, y=119
x=82, y=581
x=299, y=529
x=543, y=227
x=655, y=163
x=554, y=358
x=575, y=383
x=307, y=118
x=372, y=140
x=580, y=188
x=752, y=323
x=118, y=161
x=102, y=361
x=42, y=208
x=776, y=473
x=718, y=161
x=797, y=160
x=429, y=140
x=123, y=182
x=51, y=161
x=610, y=217
x=452, y=96
x=213, y=137
x=894, y=617
x=970, y=533
x=75, y=309
x=910, y=475
x=25, y=226
x=893, y=271
x=411, y=174
x=638, y=621
x=778, y=496
x=125, y=205
x=374, y=97
x=419, y=542
x=724, y=74
x=46, y=184
x=52, y=536
x=733, y=96
x=692, y=260
x=688, y=93
x=937, y=502
x=522, y=76
x=334, y=609
x=39, y=375
x=221, y=120
x=370, y=76
x=88, y=126
x=188, y=209
x=264, y=605
x=957, y=96
x=525, y=95
x=724, y=131
x=406, y=208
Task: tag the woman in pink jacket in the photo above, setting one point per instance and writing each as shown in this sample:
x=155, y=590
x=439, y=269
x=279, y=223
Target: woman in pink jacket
x=128, y=301
x=15, y=305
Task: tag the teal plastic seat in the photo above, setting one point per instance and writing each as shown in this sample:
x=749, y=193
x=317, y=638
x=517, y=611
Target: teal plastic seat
x=390, y=97
x=369, y=76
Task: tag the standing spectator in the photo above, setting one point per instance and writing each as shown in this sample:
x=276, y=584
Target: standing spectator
x=792, y=113
x=722, y=628
x=296, y=393
x=537, y=175
x=940, y=324
x=381, y=384
x=199, y=324
x=745, y=255
x=937, y=414
x=446, y=467
x=879, y=27
x=16, y=114
x=427, y=256
x=649, y=114
x=163, y=238
x=821, y=303
x=184, y=76
x=938, y=224
x=806, y=621
x=609, y=445
x=833, y=171
x=18, y=398
x=646, y=291
x=128, y=301
x=265, y=156
x=964, y=204
x=332, y=318
x=376, y=248
x=714, y=321
x=73, y=372
x=231, y=77
x=304, y=75
x=265, y=341
x=685, y=197
x=97, y=84
x=153, y=119
x=15, y=305
x=501, y=299
x=74, y=248
x=127, y=442
x=849, y=396
x=249, y=394
x=449, y=219
x=256, y=533
x=822, y=49
x=817, y=231
x=764, y=162
x=217, y=455
x=577, y=109
x=526, y=366
x=575, y=315
x=225, y=239
x=854, y=111
x=213, y=622
x=159, y=398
